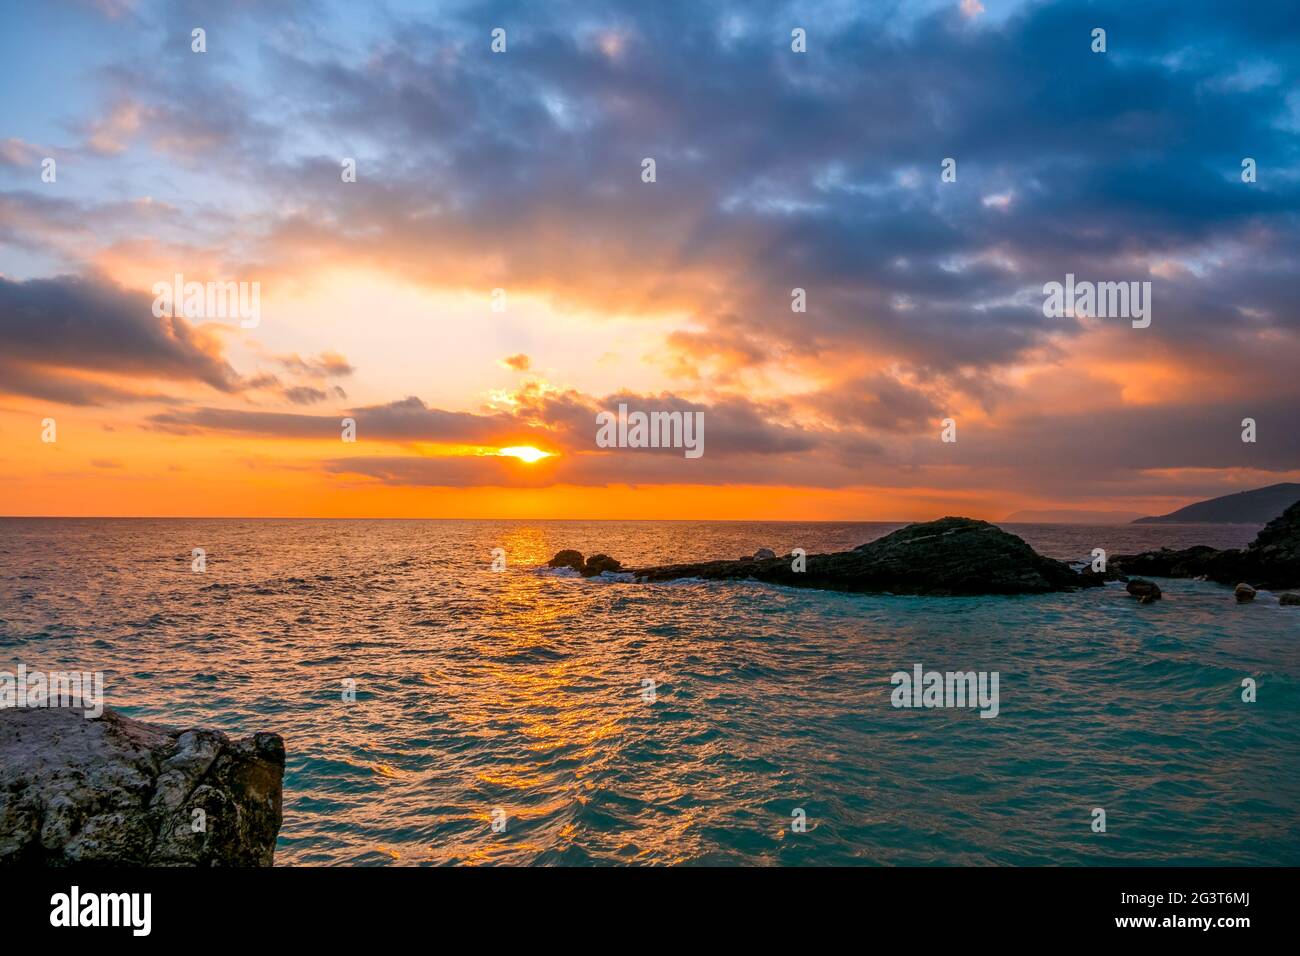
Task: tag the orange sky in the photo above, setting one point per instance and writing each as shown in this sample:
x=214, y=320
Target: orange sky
x=500, y=271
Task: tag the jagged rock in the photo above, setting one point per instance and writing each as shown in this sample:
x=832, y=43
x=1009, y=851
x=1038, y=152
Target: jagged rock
x=1290, y=598
x=112, y=791
x=951, y=556
x=1271, y=561
x=764, y=554
x=598, y=564
x=1243, y=593
x=566, y=559
x=1144, y=591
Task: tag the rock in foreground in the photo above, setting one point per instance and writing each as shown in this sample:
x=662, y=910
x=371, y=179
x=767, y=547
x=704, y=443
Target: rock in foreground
x=951, y=556
x=112, y=791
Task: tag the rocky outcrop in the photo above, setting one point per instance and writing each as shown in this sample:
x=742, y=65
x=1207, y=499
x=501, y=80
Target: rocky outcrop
x=566, y=559
x=112, y=791
x=1243, y=593
x=951, y=556
x=592, y=566
x=763, y=554
x=599, y=564
x=1290, y=599
x=1271, y=561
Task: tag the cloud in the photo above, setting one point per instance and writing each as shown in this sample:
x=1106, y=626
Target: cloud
x=879, y=402
x=547, y=419
x=54, y=332
x=20, y=155
x=308, y=395
x=770, y=179
x=325, y=365
x=110, y=134
x=403, y=421
x=775, y=171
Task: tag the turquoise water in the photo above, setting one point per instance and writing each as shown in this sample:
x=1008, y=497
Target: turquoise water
x=522, y=691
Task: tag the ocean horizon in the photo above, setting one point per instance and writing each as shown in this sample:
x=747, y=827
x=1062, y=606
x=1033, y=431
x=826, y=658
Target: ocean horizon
x=519, y=695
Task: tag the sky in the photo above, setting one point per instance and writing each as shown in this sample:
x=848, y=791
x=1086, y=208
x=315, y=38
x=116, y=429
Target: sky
x=523, y=171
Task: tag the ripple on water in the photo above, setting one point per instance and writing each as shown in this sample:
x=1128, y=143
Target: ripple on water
x=526, y=692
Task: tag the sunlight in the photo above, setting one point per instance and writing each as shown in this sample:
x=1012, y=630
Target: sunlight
x=525, y=453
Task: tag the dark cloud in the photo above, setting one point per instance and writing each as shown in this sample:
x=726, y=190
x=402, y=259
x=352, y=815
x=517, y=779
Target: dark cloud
x=406, y=420
x=304, y=395
x=69, y=389
x=53, y=329
x=1112, y=448
x=822, y=170
x=881, y=403
x=733, y=428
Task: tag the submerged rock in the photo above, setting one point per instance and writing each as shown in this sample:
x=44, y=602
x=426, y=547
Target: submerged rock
x=1271, y=561
x=566, y=559
x=112, y=791
x=1144, y=591
x=1243, y=593
x=951, y=556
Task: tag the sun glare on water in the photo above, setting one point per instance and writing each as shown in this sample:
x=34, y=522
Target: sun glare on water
x=525, y=453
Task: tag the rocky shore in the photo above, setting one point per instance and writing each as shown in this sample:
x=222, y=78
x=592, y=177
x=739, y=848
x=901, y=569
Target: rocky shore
x=951, y=556
x=112, y=791
x=1271, y=562
x=963, y=556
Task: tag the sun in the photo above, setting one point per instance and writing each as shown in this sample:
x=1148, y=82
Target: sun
x=525, y=453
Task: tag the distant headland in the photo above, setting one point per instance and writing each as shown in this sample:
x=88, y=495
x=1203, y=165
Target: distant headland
x=1245, y=507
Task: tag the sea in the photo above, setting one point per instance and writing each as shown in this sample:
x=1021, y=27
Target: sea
x=446, y=699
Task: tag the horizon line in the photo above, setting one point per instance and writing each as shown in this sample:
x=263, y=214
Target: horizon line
x=504, y=518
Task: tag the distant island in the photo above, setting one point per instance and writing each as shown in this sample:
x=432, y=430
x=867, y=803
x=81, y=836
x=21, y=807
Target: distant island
x=1067, y=516
x=1245, y=507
